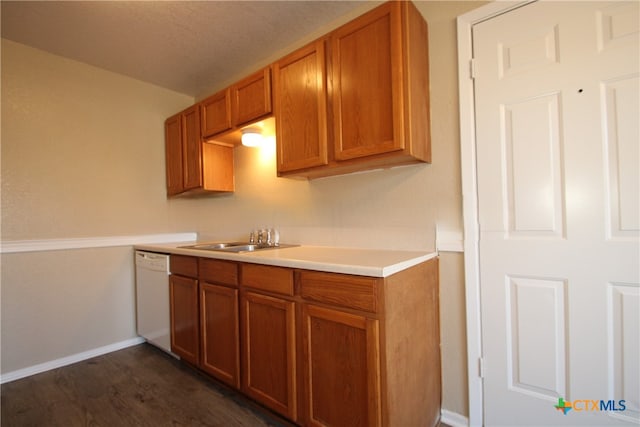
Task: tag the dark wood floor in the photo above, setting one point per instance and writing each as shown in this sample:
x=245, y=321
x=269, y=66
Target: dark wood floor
x=137, y=386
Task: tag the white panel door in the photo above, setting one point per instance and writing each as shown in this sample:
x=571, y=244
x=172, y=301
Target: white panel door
x=558, y=160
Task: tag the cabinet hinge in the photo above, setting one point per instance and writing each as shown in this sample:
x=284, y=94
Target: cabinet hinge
x=472, y=68
x=481, y=367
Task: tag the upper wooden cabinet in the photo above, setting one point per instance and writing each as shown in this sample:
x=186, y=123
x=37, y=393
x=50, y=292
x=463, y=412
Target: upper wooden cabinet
x=243, y=103
x=367, y=85
x=378, y=76
x=191, y=149
x=355, y=99
x=300, y=94
x=191, y=165
x=216, y=113
x=251, y=98
x=183, y=151
x=173, y=153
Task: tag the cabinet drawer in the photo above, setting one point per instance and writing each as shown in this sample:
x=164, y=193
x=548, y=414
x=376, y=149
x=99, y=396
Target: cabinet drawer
x=268, y=278
x=184, y=265
x=357, y=292
x=216, y=271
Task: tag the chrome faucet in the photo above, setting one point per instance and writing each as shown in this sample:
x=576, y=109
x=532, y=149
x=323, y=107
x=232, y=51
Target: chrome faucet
x=264, y=237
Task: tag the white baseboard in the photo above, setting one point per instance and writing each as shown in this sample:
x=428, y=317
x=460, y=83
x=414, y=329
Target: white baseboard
x=453, y=419
x=68, y=360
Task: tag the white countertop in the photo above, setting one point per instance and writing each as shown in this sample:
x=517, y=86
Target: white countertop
x=362, y=262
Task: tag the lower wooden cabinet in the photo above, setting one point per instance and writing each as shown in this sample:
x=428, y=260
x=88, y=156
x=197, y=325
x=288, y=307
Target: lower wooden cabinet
x=319, y=348
x=185, y=336
x=371, y=348
x=341, y=368
x=269, y=350
x=219, y=336
x=204, y=315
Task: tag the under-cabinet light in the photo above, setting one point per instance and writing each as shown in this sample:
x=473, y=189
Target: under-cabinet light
x=251, y=137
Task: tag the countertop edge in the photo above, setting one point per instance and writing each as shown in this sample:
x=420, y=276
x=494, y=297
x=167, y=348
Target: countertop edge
x=278, y=258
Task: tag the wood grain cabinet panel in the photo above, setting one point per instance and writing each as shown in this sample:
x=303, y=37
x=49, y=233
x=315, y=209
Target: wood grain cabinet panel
x=251, y=98
x=218, y=271
x=268, y=355
x=268, y=278
x=173, y=152
x=341, y=368
x=191, y=149
x=183, y=151
x=217, y=166
x=300, y=94
x=381, y=86
x=220, y=341
x=185, y=331
x=367, y=79
x=357, y=292
x=216, y=113
x=184, y=265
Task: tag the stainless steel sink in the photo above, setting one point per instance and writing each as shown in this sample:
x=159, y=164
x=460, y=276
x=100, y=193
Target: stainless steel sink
x=235, y=247
x=215, y=246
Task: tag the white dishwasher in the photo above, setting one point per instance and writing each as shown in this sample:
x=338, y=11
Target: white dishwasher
x=152, y=298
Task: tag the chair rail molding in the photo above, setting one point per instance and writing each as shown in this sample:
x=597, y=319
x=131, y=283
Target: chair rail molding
x=16, y=246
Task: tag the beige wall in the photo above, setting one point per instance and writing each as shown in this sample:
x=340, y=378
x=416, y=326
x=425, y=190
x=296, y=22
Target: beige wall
x=82, y=149
x=60, y=303
x=82, y=156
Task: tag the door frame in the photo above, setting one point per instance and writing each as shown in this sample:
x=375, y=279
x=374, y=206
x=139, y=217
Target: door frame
x=468, y=166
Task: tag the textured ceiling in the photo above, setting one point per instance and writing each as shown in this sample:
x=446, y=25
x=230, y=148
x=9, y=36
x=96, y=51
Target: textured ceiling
x=186, y=46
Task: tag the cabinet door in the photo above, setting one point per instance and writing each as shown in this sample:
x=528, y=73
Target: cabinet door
x=367, y=84
x=191, y=148
x=268, y=359
x=341, y=368
x=173, y=153
x=216, y=113
x=217, y=167
x=301, y=108
x=251, y=97
x=219, y=333
x=185, y=337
